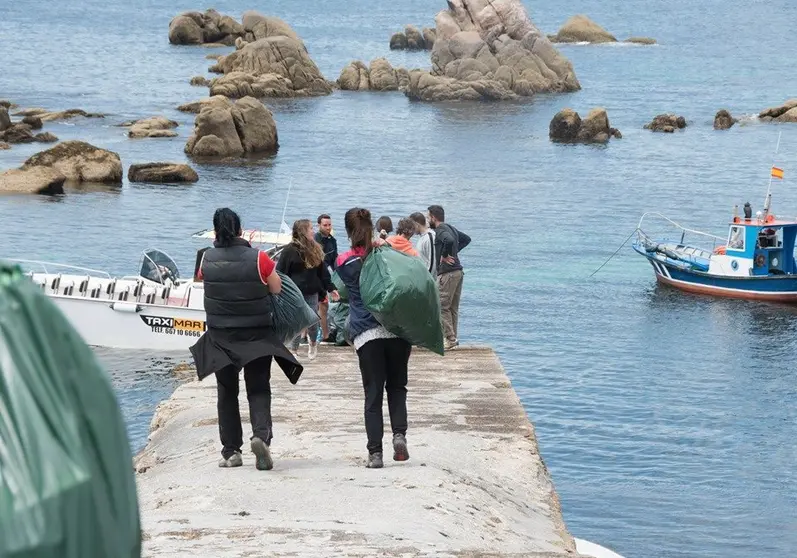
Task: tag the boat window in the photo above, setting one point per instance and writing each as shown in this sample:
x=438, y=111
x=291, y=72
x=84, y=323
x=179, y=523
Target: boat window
x=736, y=238
x=770, y=237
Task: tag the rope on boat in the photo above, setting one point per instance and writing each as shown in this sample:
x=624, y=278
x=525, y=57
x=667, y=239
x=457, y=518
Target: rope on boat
x=615, y=252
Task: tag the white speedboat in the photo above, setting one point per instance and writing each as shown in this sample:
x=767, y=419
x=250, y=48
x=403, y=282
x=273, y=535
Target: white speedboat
x=155, y=309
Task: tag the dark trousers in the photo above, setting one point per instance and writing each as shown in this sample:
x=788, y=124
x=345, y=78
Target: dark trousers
x=383, y=366
x=257, y=375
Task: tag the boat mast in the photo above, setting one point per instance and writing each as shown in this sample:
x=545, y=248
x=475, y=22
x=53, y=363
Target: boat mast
x=768, y=199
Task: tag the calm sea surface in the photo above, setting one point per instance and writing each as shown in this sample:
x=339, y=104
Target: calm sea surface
x=667, y=421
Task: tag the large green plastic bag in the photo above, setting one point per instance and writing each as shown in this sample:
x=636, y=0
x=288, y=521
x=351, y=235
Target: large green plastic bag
x=67, y=488
x=338, y=312
x=402, y=295
x=291, y=313
x=340, y=286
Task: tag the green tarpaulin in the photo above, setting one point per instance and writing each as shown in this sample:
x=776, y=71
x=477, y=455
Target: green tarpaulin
x=402, y=295
x=67, y=486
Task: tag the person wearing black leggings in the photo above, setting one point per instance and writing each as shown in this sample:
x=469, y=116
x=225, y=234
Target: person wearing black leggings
x=383, y=357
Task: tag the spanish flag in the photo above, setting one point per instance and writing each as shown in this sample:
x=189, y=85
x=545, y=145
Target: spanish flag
x=777, y=172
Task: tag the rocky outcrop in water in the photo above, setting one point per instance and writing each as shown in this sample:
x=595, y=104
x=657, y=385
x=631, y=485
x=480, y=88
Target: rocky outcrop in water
x=4, y=146
x=33, y=180
x=153, y=127
x=196, y=106
x=723, y=120
x=787, y=112
x=641, y=40
x=196, y=28
x=412, y=39
x=274, y=63
x=567, y=126
x=666, y=123
x=22, y=132
x=581, y=29
x=79, y=161
x=380, y=76
x=225, y=129
x=161, y=173
x=490, y=51
x=7, y=104
x=200, y=81
x=47, y=116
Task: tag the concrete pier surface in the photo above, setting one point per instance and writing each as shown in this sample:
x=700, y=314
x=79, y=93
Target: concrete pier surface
x=475, y=484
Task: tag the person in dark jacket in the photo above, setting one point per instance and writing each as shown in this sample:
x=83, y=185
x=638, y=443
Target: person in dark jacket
x=383, y=357
x=448, y=242
x=239, y=282
x=329, y=244
x=303, y=261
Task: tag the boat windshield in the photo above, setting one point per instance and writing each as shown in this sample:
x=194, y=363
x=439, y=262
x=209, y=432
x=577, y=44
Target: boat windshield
x=158, y=266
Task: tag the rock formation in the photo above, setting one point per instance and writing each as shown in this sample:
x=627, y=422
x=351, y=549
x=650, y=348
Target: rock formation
x=200, y=81
x=381, y=76
x=32, y=180
x=7, y=104
x=79, y=162
x=196, y=28
x=667, y=123
x=161, y=173
x=567, y=126
x=46, y=116
x=641, y=40
x=154, y=127
x=4, y=146
x=196, y=106
x=22, y=132
x=787, y=112
x=227, y=129
x=581, y=29
x=723, y=120
x=412, y=39
x=274, y=64
x=490, y=50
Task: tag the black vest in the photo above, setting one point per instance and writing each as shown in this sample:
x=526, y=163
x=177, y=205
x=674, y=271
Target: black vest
x=235, y=296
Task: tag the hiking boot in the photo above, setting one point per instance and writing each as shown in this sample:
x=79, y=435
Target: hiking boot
x=263, y=460
x=400, y=452
x=234, y=460
x=375, y=461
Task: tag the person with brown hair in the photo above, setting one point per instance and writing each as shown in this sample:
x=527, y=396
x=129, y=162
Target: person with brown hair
x=383, y=356
x=401, y=240
x=384, y=226
x=303, y=261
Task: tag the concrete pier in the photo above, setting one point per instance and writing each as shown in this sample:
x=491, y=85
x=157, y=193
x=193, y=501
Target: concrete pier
x=475, y=484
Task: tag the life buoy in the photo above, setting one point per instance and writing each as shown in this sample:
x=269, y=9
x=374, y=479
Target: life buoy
x=760, y=260
x=720, y=250
x=770, y=218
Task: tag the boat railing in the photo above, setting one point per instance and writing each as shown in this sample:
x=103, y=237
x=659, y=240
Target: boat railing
x=45, y=265
x=714, y=238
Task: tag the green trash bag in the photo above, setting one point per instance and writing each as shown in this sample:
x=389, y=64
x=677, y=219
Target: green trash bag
x=291, y=313
x=338, y=313
x=340, y=286
x=67, y=488
x=402, y=295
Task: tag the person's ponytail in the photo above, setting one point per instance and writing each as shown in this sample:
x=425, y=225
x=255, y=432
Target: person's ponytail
x=227, y=226
x=359, y=227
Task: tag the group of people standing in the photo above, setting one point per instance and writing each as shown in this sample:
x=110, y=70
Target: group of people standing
x=240, y=281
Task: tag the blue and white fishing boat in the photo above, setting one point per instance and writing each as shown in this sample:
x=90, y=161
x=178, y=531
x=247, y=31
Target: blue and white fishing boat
x=755, y=261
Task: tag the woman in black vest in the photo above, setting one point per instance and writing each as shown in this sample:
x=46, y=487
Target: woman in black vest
x=303, y=261
x=239, y=282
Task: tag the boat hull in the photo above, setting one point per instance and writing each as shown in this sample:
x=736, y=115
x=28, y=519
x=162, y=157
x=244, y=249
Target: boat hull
x=130, y=325
x=770, y=288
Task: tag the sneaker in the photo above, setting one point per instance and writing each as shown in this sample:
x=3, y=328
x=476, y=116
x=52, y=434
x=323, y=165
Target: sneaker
x=235, y=460
x=400, y=452
x=312, y=351
x=375, y=461
x=451, y=344
x=263, y=460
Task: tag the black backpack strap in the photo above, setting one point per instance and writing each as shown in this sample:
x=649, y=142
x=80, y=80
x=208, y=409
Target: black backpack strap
x=431, y=260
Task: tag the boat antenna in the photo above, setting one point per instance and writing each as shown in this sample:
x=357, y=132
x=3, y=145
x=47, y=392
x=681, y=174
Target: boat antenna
x=285, y=207
x=768, y=199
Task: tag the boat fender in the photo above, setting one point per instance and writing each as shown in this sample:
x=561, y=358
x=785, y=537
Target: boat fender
x=760, y=260
x=129, y=307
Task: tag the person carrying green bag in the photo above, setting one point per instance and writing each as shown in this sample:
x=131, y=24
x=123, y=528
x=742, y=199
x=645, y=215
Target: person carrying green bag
x=382, y=355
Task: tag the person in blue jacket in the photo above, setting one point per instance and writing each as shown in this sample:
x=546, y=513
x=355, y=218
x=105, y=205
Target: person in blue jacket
x=383, y=357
